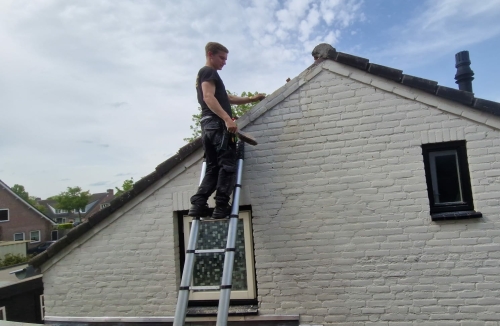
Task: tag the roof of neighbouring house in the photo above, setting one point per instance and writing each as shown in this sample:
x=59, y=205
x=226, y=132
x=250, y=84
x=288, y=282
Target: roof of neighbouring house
x=388, y=73
x=94, y=200
x=28, y=205
x=7, y=278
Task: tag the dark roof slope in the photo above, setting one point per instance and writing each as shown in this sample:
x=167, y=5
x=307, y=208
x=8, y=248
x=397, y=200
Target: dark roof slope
x=396, y=75
x=116, y=203
x=326, y=51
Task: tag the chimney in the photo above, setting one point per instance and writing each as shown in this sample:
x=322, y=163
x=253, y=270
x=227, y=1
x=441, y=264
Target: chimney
x=110, y=192
x=464, y=74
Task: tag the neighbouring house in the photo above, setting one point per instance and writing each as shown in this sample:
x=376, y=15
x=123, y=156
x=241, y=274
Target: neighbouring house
x=372, y=198
x=96, y=202
x=20, y=221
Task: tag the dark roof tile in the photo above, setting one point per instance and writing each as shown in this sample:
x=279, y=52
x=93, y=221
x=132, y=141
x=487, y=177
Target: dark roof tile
x=352, y=60
x=423, y=84
x=100, y=215
x=181, y=155
x=386, y=72
x=56, y=247
x=39, y=259
x=455, y=95
x=78, y=231
x=487, y=106
x=146, y=181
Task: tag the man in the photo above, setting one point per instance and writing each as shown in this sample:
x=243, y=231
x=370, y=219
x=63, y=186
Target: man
x=217, y=132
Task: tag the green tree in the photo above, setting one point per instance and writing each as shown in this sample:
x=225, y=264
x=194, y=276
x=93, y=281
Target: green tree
x=127, y=185
x=73, y=199
x=237, y=110
x=21, y=192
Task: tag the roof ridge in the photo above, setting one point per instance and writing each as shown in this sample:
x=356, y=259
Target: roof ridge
x=325, y=51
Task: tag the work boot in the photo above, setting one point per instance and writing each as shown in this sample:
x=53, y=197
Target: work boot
x=199, y=210
x=221, y=212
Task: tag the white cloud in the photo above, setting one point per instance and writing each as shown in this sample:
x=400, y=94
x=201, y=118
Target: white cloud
x=446, y=25
x=289, y=17
x=91, y=91
x=307, y=25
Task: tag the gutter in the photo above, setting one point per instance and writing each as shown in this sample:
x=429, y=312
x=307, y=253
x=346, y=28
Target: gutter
x=27, y=272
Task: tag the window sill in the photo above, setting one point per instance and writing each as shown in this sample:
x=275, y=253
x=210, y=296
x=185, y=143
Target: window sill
x=460, y=215
x=233, y=311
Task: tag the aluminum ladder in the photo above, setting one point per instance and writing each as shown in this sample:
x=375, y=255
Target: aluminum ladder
x=227, y=273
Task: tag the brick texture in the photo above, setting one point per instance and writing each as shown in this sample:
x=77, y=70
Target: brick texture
x=22, y=219
x=341, y=224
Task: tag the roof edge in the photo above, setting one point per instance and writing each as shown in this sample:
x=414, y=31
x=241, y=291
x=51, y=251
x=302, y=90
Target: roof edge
x=95, y=219
x=396, y=75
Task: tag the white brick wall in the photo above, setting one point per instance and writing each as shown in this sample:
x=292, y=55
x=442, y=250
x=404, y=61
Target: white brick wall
x=341, y=221
x=128, y=269
x=351, y=242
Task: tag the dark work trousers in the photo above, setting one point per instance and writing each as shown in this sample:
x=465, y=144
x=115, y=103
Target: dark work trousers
x=221, y=164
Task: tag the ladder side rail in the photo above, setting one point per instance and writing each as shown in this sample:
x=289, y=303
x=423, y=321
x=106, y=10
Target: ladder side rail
x=227, y=274
x=187, y=273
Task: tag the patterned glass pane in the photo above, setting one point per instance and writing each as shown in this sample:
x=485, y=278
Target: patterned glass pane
x=208, y=267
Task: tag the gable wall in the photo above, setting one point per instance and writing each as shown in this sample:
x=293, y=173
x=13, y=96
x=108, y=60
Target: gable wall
x=342, y=231
x=129, y=268
x=341, y=214
x=22, y=219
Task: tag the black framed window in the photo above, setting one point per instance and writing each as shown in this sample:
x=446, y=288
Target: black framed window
x=448, y=180
x=4, y=215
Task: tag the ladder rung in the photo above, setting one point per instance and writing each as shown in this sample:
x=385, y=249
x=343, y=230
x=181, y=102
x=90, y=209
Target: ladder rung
x=209, y=251
x=212, y=287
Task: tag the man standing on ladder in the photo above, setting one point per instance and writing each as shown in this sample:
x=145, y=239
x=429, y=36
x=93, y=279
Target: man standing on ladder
x=217, y=134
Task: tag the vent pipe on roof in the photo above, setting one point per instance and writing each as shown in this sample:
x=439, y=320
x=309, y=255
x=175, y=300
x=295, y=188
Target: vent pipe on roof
x=464, y=74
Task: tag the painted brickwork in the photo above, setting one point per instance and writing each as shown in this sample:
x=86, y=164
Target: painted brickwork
x=130, y=268
x=342, y=231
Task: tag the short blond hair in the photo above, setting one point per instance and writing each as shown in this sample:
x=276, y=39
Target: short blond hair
x=215, y=48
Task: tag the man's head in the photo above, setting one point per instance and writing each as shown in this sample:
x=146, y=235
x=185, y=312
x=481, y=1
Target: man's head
x=216, y=54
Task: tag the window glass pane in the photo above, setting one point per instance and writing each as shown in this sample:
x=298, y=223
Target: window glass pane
x=18, y=236
x=35, y=236
x=208, y=267
x=4, y=215
x=445, y=177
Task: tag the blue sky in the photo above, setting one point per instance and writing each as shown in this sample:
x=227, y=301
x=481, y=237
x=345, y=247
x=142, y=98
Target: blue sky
x=93, y=93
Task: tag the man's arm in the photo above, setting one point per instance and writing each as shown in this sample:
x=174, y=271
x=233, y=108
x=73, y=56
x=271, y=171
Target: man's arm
x=244, y=100
x=208, y=89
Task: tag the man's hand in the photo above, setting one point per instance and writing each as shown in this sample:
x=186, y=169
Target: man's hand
x=258, y=97
x=231, y=126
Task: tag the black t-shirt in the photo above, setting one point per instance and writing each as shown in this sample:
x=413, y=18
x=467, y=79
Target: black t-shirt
x=207, y=74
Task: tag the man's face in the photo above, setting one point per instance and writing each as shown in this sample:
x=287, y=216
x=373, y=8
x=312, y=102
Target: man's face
x=218, y=60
